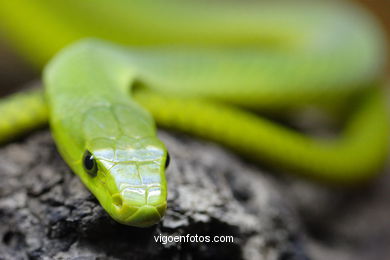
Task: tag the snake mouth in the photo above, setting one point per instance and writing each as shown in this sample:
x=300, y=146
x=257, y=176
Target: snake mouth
x=138, y=206
x=138, y=216
x=145, y=216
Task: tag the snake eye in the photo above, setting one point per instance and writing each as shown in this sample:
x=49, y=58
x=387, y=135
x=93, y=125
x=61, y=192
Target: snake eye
x=167, y=161
x=89, y=164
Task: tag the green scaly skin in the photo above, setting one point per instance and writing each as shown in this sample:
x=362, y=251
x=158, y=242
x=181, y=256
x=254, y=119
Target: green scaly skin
x=192, y=62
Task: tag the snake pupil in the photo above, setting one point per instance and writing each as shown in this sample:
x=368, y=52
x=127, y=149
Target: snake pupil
x=90, y=164
x=167, y=161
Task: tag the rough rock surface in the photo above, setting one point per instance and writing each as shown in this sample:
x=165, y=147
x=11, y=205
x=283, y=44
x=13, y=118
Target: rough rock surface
x=46, y=213
x=345, y=224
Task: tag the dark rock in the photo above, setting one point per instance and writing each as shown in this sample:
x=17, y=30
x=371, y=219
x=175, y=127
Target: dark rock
x=46, y=213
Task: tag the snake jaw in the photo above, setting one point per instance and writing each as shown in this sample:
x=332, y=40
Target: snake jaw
x=146, y=216
x=139, y=205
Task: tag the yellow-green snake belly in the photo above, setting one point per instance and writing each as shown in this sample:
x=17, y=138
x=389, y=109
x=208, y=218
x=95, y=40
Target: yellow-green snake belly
x=195, y=66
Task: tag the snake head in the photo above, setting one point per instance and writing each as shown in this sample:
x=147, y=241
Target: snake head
x=127, y=176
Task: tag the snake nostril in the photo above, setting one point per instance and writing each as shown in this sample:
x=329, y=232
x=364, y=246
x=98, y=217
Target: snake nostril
x=117, y=200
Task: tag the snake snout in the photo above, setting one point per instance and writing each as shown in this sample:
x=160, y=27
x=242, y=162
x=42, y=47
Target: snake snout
x=139, y=206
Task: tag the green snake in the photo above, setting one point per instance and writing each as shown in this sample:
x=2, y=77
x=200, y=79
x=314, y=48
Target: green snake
x=203, y=68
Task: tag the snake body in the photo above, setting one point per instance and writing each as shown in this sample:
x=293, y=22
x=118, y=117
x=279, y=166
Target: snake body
x=194, y=66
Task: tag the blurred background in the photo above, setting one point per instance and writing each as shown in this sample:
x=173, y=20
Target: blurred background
x=14, y=71
x=356, y=222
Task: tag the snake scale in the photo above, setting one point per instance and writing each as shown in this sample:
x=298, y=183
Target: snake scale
x=205, y=68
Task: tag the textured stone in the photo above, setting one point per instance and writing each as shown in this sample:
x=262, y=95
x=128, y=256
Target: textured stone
x=46, y=213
